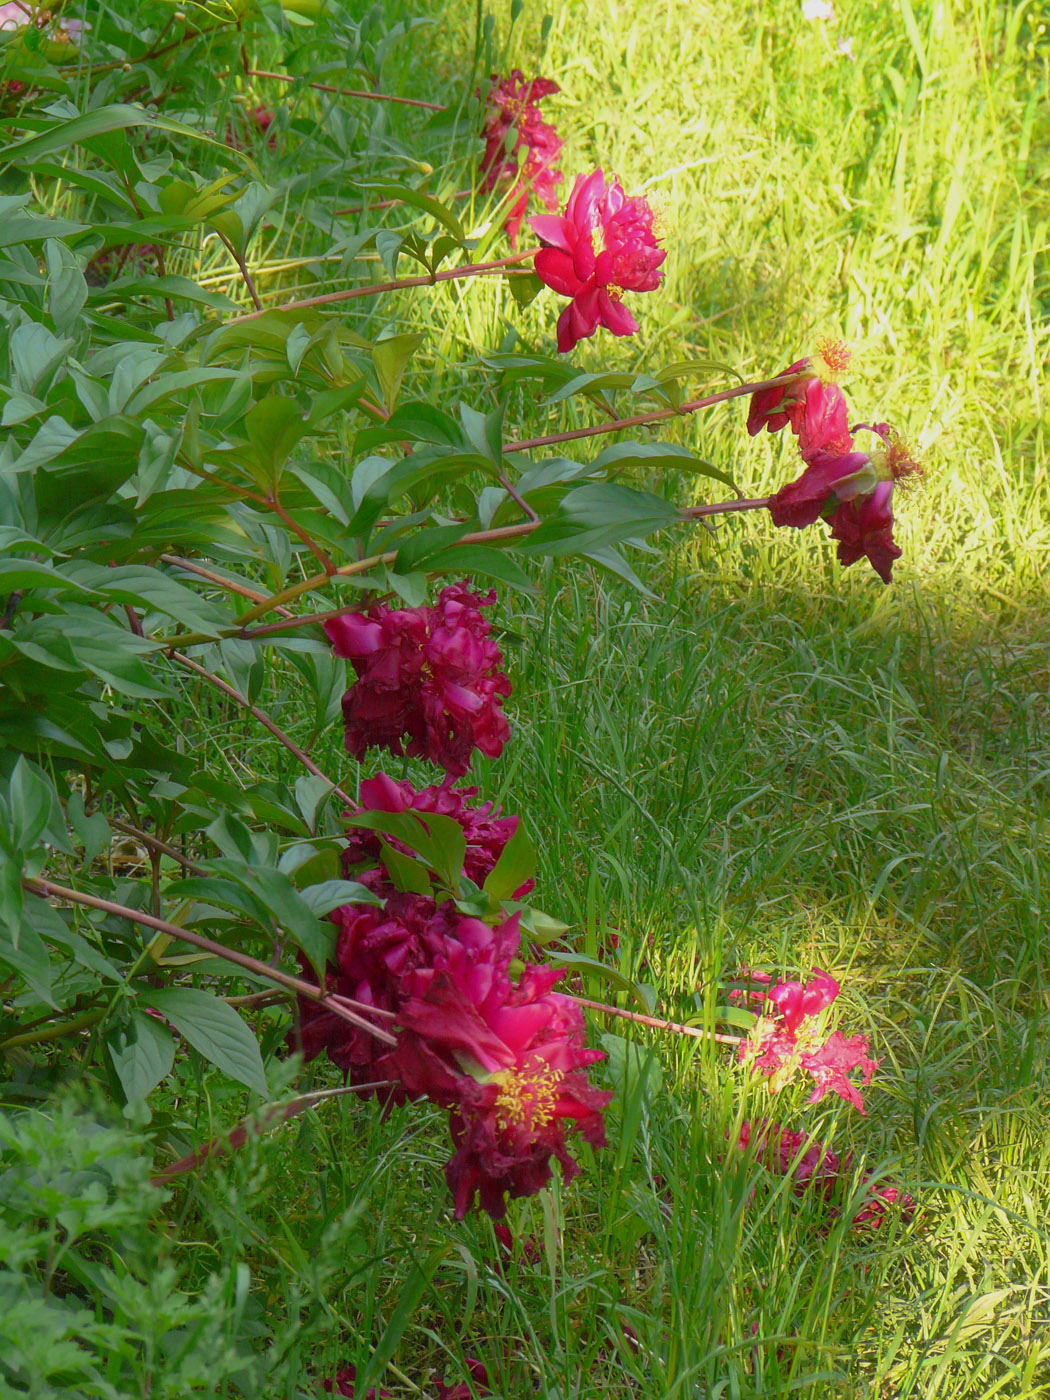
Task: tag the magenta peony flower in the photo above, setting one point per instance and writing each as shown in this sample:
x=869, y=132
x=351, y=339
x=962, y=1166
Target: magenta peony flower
x=506, y=1059
x=602, y=246
x=485, y=830
x=789, y=1040
x=513, y=104
x=426, y=675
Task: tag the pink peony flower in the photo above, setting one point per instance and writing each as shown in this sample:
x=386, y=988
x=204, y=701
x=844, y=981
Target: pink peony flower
x=602, y=246
x=16, y=14
x=428, y=675
x=506, y=1059
x=513, y=104
x=787, y=1041
x=485, y=830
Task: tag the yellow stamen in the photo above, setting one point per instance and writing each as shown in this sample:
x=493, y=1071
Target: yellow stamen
x=831, y=360
x=528, y=1098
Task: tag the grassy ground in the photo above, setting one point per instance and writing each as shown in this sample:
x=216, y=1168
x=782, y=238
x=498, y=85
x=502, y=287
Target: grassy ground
x=775, y=762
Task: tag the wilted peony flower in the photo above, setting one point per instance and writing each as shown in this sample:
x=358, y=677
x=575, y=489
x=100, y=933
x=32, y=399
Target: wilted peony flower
x=814, y=1166
x=602, y=246
x=852, y=491
x=512, y=104
x=430, y=676
x=864, y=528
x=485, y=830
x=812, y=402
x=505, y=1058
x=478, y=1384
x=788, y=1040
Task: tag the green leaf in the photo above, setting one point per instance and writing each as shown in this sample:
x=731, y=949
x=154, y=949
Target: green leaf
x=391, y=357
x=27, y=954
x=215, y=1030
x=659, y=454
x=598, y=514
x=67, y=288
x=580, y=962
x=517, y=863
x=143, y=1053
x=407, y=195
x=118, y=116
x=330, y=894
x=481, y=561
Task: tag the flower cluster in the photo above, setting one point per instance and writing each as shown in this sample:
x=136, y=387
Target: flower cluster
x=813, y=1166
x=786, y=1038
x=507, y=1058
x=513, y=106
x=851, y=490
x=429, y=682
x=602, y=246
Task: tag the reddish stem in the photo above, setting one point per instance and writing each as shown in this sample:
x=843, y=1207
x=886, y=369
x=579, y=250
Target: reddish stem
x=238, y=1136
x=450, y=274
x=264, y=719
x=656, y=416
x=340, y=1006
x=347, y=92
x=675, y=1026
x=235, y=587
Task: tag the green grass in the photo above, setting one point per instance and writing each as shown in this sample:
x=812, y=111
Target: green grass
x=775, y=762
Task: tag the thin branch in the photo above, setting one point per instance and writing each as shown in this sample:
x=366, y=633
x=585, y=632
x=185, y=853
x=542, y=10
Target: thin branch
x=347, y=92
x=242, y=589
x=264, y=719
x=450, y=274
x=301, y=534
x=242, y=626
x=339, y=1006
x=676, y=1026
x=243, y=266
x=155, y=844
x=512, y=492
x=273, y=1116
x=658, y=415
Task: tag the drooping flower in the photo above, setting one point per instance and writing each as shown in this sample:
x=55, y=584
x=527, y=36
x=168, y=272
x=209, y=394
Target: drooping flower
x=603, y=245
x=853, y=492
x=814, y=1167
x=811, y=401
x=789, y=1040
x=506, y=1058
x=513, y=105
x=429, y=682
x=486, y=831
x=864, y=529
